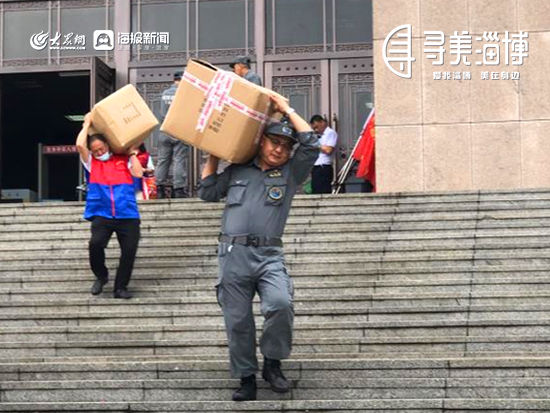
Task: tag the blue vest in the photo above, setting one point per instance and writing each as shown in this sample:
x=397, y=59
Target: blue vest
x=111, y=192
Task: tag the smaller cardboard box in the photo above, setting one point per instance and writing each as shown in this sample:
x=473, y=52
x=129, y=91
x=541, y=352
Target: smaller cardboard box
x=123, y=118
x=218, y=112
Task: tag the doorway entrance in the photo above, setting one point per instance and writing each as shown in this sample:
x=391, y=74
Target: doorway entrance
x=41, y=108
x=46, y=108
x=342, y=90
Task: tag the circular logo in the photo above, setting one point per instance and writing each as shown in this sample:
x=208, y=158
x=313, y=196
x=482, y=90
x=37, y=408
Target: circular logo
x=39, y=41
x=276, y=193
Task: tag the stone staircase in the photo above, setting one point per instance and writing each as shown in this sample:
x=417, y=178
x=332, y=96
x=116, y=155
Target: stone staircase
x=404, y=303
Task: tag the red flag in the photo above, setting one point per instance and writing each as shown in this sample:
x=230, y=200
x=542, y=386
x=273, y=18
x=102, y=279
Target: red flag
x=361, y=144
x=364, y=153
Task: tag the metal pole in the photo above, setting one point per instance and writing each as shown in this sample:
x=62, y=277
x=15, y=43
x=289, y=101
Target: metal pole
x=80, y=177
x=342, y=175
x=40, y=165
x=194, y=178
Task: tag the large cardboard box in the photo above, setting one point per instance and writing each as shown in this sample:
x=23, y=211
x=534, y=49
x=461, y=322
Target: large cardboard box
x=123, y=118
x=218, y=112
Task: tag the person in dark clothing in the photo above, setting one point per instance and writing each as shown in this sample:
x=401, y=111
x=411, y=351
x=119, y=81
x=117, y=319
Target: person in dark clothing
x=241, y=67
x=171, y=151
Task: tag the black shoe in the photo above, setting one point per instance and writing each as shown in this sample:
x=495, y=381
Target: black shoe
x=123, y=293
x=97, y=287
x=161, y=192
x=274, y=376
x=247, y=391
x=180, y=193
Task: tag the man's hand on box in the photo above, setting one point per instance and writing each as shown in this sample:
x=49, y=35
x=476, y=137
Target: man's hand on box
x=280, y=103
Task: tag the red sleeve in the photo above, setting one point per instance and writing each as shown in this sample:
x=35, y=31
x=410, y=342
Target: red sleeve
x=143, y=158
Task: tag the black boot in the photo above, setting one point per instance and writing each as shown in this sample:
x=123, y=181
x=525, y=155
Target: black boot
x=274, y=376
x=180, y=193
x=247, y=391
x=169, y=191
x=161, y=194
x=122, y=293
x=97, y=287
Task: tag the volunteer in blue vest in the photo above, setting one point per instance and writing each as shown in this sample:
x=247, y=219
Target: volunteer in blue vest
x=258, y=198
x=111, y=206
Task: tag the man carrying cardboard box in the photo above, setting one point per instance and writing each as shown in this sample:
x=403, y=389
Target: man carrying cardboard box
x=250, y=254
x=111, y=206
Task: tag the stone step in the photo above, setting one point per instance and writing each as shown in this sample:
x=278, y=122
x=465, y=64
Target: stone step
x=64, y=282
x=329, y=219
x=321, y=212
x=344, y=262
x=78, y=287
x=295, y=369
x=448, y=200
x=360, y=212
x=304, y=389
x=374, y=347
x=511, y=196
x=326, y=356
x=292, y=406
x=355, y=271
x=309, y=253
x=437, y=329
x=208, y=302
x=138, y=316
x=323, y=269
x=299, y=244
x=301, y=224
x=349, y=232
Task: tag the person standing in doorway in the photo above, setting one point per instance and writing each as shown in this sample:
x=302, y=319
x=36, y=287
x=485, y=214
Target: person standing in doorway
x=111, y=206
x=171, y=151
x=322, y=173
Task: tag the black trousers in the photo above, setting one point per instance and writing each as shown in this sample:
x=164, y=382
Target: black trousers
x=127, y=232
x=321, y=179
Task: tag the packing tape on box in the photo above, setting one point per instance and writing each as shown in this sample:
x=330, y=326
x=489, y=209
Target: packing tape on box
x=217, y=95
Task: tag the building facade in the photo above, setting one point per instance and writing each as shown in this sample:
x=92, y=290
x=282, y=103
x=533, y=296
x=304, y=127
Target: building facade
x=318, y=53
x=471, y=111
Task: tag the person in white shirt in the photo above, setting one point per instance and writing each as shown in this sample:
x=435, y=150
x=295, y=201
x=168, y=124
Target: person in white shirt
x=322, y=173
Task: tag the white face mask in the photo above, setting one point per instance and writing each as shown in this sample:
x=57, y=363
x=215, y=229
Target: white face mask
x=104, y=158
